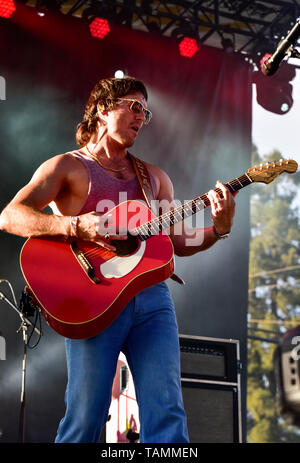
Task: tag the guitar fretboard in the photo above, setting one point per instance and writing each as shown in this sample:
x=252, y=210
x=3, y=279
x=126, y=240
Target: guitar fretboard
x=166, y=220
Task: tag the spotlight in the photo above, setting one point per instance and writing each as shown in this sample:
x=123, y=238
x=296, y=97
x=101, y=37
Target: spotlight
x=99, y=28
x=153, y=27
x=275, y=93
x=227, y=45
x=186, y=35
x=119, y=74
x=188, y=47
x=7, y=8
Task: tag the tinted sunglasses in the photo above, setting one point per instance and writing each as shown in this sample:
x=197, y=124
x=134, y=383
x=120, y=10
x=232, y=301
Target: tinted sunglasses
x=136, y=107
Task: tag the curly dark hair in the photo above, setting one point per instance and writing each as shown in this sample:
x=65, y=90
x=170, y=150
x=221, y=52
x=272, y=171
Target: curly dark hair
x=105, y=93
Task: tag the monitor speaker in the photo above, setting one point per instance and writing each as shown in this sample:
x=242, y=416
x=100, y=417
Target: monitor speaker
x=210, y=378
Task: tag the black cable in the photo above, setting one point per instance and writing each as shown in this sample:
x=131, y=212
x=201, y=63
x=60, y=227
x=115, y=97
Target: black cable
x=29, y=308
x=37, y=319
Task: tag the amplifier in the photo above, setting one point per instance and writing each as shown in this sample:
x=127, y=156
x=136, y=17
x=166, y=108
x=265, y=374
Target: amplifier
x=209, y=358
x=210, y=378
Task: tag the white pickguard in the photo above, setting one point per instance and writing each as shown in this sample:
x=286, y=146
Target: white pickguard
x=118, y=267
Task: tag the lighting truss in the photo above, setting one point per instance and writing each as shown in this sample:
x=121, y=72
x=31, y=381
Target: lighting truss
x=252, y=27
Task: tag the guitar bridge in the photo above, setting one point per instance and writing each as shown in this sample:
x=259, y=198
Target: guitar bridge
x=84, y=263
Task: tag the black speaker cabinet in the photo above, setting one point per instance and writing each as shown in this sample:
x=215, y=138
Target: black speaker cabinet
x=210, y=378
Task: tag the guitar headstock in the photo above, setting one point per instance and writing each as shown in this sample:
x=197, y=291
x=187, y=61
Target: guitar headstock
x=267, y=172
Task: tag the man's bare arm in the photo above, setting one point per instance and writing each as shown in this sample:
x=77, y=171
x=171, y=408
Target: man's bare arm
x=24, y=215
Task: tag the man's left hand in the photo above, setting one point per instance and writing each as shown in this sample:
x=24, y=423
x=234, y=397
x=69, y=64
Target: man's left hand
x=222, y=208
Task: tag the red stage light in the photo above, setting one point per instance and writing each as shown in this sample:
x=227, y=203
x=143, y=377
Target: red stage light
x=188, y=47
x=7, y=7
x=99, y=28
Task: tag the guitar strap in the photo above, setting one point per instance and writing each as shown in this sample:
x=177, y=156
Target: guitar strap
x=143, y=176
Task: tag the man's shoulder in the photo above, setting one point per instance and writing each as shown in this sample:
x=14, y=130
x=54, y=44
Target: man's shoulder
x=63, y=160
x=63, y=157
x=62, y=165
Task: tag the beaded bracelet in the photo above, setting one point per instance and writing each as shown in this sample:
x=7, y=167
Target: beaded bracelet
x=74, y=223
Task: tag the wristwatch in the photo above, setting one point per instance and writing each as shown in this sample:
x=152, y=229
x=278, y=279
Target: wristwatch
x=220, y=237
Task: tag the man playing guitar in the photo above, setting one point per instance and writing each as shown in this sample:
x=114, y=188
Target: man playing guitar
x=74, y=184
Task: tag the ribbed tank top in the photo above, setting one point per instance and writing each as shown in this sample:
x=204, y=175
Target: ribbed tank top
x=103, y=186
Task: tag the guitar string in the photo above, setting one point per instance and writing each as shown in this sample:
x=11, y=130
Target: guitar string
x=236, y=184
x=181, y=209
x=95, y=250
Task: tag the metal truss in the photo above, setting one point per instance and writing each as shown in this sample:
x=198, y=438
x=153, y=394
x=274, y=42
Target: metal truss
x=252, y=27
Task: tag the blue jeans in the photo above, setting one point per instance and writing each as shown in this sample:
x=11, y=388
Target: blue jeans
x=146, y=332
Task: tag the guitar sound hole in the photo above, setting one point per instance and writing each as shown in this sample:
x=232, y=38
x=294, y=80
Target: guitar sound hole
x=126, y=247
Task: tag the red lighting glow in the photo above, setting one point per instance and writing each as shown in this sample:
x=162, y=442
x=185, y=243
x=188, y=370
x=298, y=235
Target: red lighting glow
x=7, y=7
x=99, y=28
x=188, y=47
x=266, y=56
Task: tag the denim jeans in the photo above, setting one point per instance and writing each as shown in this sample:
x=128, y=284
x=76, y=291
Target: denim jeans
x=146, y=332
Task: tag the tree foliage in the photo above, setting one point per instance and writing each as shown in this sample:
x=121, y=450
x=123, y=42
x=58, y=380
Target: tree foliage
x=274, y=296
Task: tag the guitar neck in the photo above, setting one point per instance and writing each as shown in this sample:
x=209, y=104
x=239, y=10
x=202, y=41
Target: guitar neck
x=166, y=220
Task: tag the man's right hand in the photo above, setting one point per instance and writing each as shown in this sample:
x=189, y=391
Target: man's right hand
x=99, y=229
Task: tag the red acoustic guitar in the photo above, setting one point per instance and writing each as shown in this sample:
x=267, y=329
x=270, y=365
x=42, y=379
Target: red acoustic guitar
x=81, y=287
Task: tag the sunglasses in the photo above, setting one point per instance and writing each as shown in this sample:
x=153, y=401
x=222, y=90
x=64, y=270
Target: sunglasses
x=136, y=107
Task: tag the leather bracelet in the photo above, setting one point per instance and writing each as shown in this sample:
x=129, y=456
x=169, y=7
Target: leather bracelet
x=220, y=237
x=74, y=223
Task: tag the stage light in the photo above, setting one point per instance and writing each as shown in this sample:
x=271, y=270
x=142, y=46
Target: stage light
x=275, y=98
x=227, y=45
x=188, y=47
x=99, y=28
x=186, y=34
x=7, y=8
x=275, y=93
x=120, y=74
